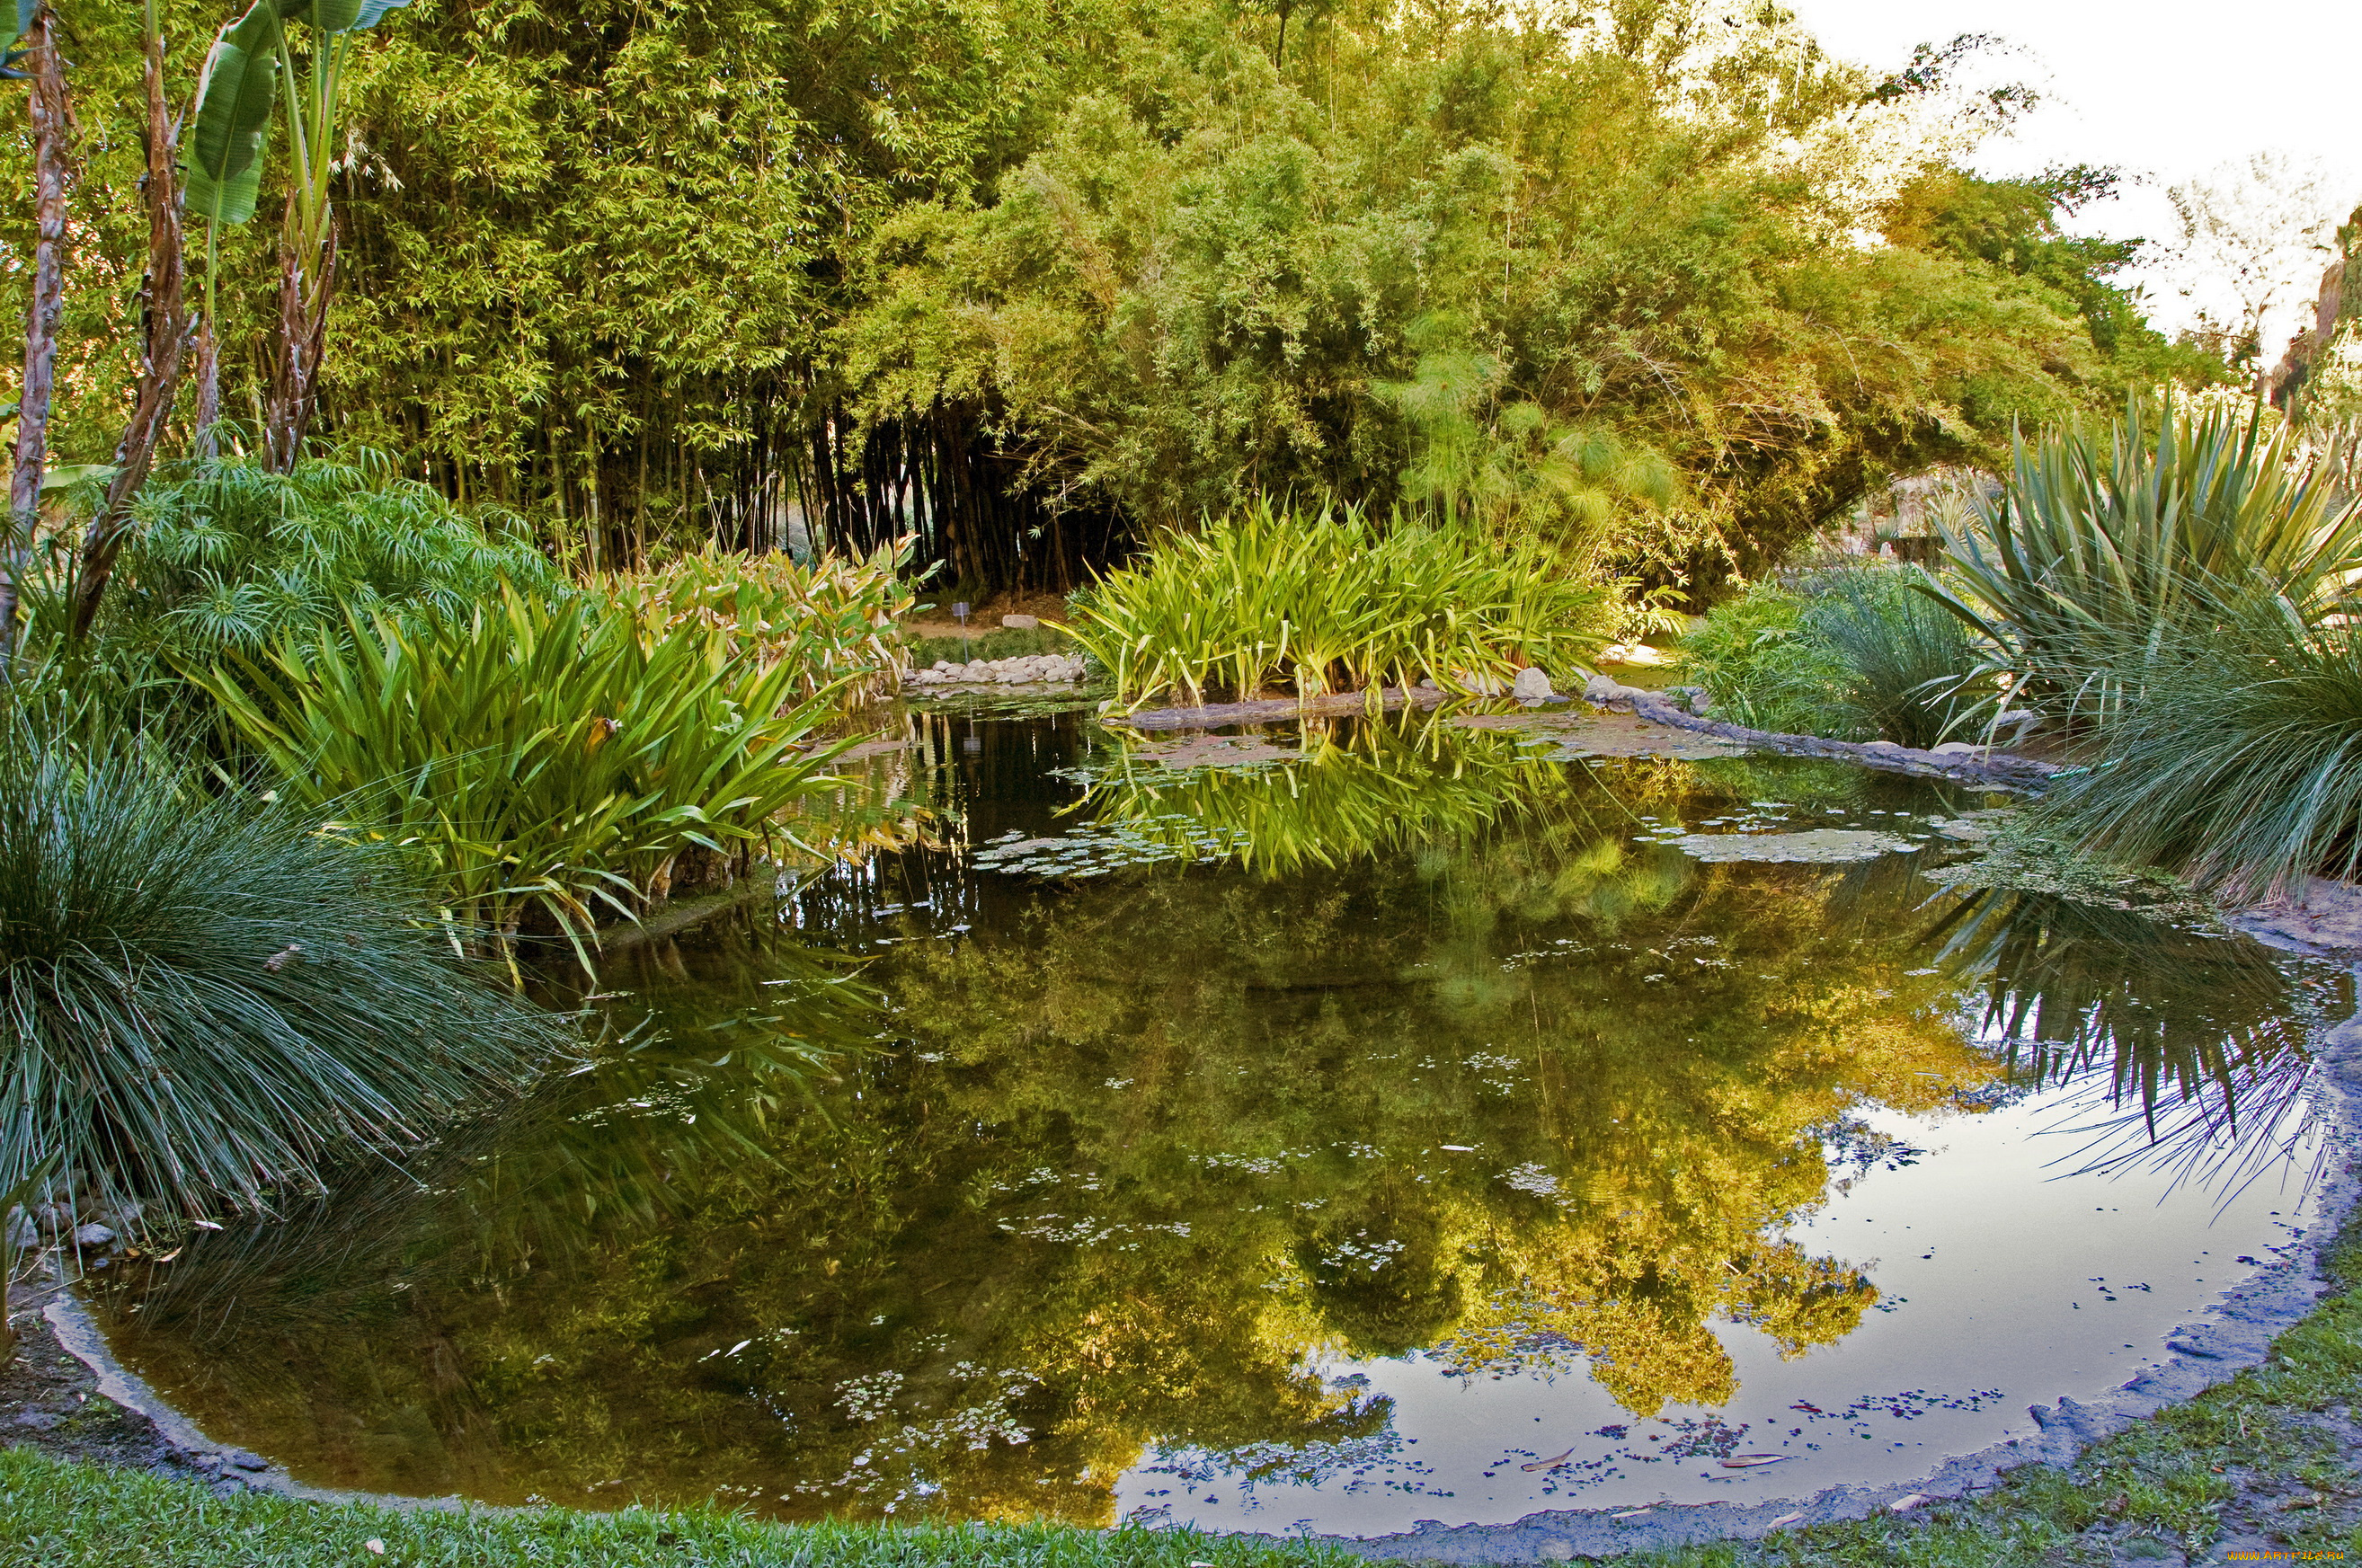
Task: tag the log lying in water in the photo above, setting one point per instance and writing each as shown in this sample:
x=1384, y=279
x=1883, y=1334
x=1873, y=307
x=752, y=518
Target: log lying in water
x=1331, y=706
x=1999, y=771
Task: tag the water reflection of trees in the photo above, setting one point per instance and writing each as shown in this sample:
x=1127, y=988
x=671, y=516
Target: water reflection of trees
x=1152, y=1143
x=2191, y=1043
x=1350, y=789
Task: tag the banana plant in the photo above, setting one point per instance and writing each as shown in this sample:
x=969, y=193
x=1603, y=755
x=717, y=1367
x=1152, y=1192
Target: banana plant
x=237, y=101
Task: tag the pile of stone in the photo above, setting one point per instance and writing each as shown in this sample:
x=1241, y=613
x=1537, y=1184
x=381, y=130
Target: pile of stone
x=83, y=1226
x=1028, y=671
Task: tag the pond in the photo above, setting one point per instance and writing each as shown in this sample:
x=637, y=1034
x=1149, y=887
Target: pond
x=1333, y=1127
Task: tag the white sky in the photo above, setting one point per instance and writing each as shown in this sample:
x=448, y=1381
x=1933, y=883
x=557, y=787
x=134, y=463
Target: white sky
x=2166, y=90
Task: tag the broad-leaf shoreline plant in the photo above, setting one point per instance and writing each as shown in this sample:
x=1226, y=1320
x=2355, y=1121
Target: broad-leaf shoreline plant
x=556, y=764
x=1324, y=601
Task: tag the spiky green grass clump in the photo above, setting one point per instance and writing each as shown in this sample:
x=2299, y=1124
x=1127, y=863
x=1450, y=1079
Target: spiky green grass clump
x=2240, y=766
x=1852, y=653
x=204, y=1001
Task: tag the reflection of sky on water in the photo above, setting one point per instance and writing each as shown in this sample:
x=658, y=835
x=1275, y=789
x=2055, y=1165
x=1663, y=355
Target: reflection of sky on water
x=2003, y=1283
x=1149, y=1135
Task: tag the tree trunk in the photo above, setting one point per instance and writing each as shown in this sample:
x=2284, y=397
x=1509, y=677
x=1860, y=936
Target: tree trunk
x=159, y=367
x=48, y=130
x=299, y=341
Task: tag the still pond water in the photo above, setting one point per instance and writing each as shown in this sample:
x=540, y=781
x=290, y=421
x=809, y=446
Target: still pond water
x=1394, y=1121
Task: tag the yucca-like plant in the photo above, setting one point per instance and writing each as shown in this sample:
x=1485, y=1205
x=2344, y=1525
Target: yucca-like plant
x=205, y=999
x=2241, y=767
x=1326, y=602
x=553, y=764
x=2092, y=542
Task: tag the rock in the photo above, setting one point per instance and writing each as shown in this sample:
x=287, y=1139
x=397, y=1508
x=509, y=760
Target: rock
x=1482, y=685
x=23, y=1233
x=1883, y=746
x=1555, y=1551
x=40, y=1420
x=1959, y=748
x=1532, y=686
x=240, y=1458
x=93, y=1236
x=1022, y=622
x=1603, y=690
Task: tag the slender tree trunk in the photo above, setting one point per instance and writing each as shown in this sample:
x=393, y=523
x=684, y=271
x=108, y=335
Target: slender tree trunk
x=159, y=367
x=48, y=129
x=304, y=281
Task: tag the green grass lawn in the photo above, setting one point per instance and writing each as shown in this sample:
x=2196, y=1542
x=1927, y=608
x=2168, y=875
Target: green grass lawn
x=2267, y=1461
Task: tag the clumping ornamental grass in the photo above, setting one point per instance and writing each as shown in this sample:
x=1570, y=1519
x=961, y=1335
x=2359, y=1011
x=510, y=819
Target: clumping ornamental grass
x=2240, y=766
x=1328, y=601
x=208, y=1001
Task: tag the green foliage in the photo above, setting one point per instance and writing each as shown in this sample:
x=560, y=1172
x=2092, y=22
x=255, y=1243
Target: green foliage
x=1147, y=256
x=207, y=999
x=1852, y=653
x=1000, y=642
x=832, y=621
x=2092, y=548
x=1910, y=663
x=2017, y=227
x=549, y=761
x=2240, y=768
x=1762, y=668
x=231, y=556
x=1326, y=602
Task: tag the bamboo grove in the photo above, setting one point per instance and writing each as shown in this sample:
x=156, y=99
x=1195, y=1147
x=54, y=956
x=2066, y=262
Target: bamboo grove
x=1032, y=277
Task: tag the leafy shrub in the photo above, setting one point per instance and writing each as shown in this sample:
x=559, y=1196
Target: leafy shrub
x=2241, y=767
x=1326, y=602
x=1852, y=653
x=832, y=621
x=207, y=999
x=1764, y=667
x=2089, y=544
x=230, y=556
x=549, y=760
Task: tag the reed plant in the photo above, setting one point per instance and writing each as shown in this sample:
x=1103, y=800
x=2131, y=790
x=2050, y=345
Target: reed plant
x=205, y=999
x=2094, y=542
x=553, y=764
x=1324, y=601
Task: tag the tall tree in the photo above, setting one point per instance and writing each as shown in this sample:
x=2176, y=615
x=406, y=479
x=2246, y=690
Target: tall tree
x=38, y=25
x=165, y=331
